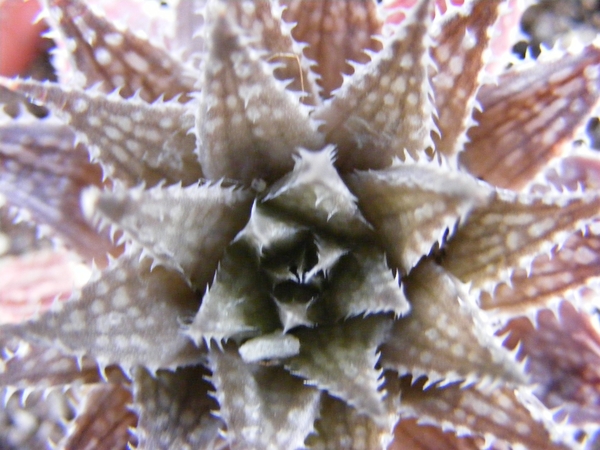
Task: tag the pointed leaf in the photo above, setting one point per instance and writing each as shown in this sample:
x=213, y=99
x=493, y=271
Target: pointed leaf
x=186, y=229
x=531, y=116
x=35, y=422
x=237, y=304
x=342, y=427
x=103, y=419
x=101, y=52
x=175, y=410
x=249, y=124
x=341, y=359
x=495, y=413
x=24, y=365
x=443, y=338
x=314, y=193
x=347, y=35
x=563, y=360
x=43, y=172
x=264, y=407
x=275, y=38
x=459, y=58
x=396, y=116
x=413, y=204
x=511, y=230
x=127, y=315
x=551, y=277
x=133, y=141
x=362, y=283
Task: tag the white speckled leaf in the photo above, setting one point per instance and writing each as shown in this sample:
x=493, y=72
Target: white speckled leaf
x=34, y=422
x=552, y=277
x=186, y=229
x=342, y=427
x=442, y=337
x=264, y=407
x=352, y=23
x=103, y=418
x=118, y=59
x=24, y=365
x=495, y=413
x=43, y=172
x=511, y=230
x=127, y=315
x=341, y=359
x=248, y=124
x=370, y=130
x=132, y=140
x=459, y=57
x=175, y=410
x=313, y=193
x=362, y=283
x=272, y=36
x=412, y=205
x=237, y=303
x=531, y=116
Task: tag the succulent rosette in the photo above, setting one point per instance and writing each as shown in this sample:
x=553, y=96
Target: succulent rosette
x=330, y=225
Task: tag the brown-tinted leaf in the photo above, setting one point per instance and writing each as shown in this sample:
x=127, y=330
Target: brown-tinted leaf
x=336, y=32
x=119, y=59
x=103, y=419
x=530, y=117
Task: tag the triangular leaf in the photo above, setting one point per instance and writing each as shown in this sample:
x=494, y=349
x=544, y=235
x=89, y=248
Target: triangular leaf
x=128, y=315
x=248, y=124
x=133, y=141
x=341, y=359
x=264, y=407
x=550, y=278
x=119, y=59
x=413, y=204
x=24, y=365
x=313, y=193
x=528, y=118
x=342, y=427
x=237, y=304
x=511, y=230
x=495, y=413
x=175, y=410
x=353, y=23
x=275, y=38
x=171, y=223
x=459, y=58
x=396, y=116
x=442, y=337
x=362, y=283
